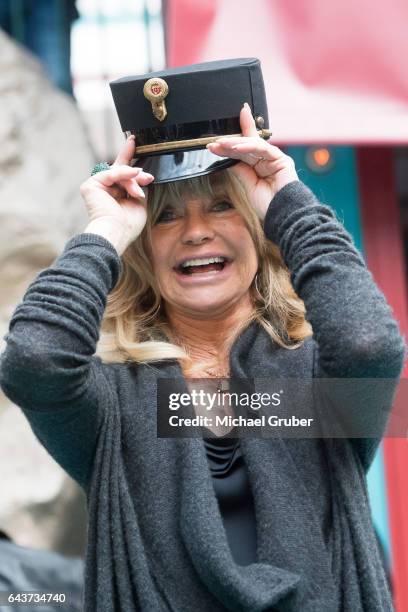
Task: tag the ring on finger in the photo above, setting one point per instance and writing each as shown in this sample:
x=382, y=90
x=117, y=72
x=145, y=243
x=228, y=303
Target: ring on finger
x=100, y=167
x=257, y=157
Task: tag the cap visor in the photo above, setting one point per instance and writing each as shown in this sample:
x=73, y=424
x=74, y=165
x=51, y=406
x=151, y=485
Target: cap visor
x=182, y=165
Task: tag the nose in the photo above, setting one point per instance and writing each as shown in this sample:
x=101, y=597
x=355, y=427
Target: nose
x=196, y=229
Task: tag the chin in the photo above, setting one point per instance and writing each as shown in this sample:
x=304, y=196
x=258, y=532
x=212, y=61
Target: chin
x=203, y=306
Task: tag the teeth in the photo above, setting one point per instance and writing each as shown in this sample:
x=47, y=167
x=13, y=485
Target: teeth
x=202, y=262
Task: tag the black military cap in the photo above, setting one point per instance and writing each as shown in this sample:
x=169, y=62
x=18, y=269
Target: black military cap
x=175, y=113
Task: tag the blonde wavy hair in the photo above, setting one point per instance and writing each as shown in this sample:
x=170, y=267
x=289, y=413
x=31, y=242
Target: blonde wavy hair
x=135, y=328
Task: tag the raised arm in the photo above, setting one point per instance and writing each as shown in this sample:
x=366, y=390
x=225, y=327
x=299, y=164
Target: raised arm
x=49, y=366
x=356, y=334
x=353, y=325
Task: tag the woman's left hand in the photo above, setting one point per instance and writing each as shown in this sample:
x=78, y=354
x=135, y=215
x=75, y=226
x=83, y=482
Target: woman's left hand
x=265, y=170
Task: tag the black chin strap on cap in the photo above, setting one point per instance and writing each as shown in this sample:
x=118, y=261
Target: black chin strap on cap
x=182, y=165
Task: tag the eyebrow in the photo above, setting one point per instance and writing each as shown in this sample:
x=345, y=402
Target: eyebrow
x=168, y=205
x=177, y=204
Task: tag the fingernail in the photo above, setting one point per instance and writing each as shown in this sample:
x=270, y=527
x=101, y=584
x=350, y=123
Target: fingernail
x=131, y=137
x=246, y=104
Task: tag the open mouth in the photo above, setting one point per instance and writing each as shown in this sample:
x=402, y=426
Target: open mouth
x=213, y=264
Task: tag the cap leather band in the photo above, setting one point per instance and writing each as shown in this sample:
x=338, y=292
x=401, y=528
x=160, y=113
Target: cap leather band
x=190, y=143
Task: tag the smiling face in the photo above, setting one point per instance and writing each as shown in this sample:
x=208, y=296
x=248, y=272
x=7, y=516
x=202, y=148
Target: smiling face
x=203, y=256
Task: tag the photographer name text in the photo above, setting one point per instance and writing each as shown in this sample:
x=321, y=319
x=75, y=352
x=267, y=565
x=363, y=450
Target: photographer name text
x=239, y=421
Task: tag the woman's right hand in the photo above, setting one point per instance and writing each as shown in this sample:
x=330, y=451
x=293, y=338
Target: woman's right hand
x=115, y=201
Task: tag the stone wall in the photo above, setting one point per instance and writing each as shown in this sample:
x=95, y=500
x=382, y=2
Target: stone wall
x=44, y=157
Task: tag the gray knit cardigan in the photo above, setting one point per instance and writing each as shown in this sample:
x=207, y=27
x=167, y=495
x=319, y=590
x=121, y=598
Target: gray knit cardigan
x=156, y=540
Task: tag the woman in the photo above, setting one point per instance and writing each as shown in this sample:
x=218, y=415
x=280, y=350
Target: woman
x=156, y=535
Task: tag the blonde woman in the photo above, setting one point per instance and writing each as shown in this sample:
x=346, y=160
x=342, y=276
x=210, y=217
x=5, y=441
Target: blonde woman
x=181, y=524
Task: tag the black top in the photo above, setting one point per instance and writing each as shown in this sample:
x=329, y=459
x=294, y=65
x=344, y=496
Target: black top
x=233, y=491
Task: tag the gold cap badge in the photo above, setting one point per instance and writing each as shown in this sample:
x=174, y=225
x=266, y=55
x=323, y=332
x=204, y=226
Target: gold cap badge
x=155, y=90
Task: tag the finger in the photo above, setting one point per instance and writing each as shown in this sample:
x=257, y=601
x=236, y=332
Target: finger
x=117, y=191
x=251, y=155
x=246, y=144
x=247, y=122
x=144, y=178
x=249, y=150
x=133, y=189
x=248, y=129
x=228, y=140
x=266, y=168
x=125, y=189
x=115, y=174
x=228, y=150
x=134, y=186
x=126, y=153
x=260, y=148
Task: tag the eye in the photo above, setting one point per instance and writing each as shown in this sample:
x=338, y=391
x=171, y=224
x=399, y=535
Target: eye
x=222, y=205
x=168, y=214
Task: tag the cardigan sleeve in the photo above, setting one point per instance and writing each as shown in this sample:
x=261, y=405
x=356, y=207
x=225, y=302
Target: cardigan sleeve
x=356, y=334
x=48, y=367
